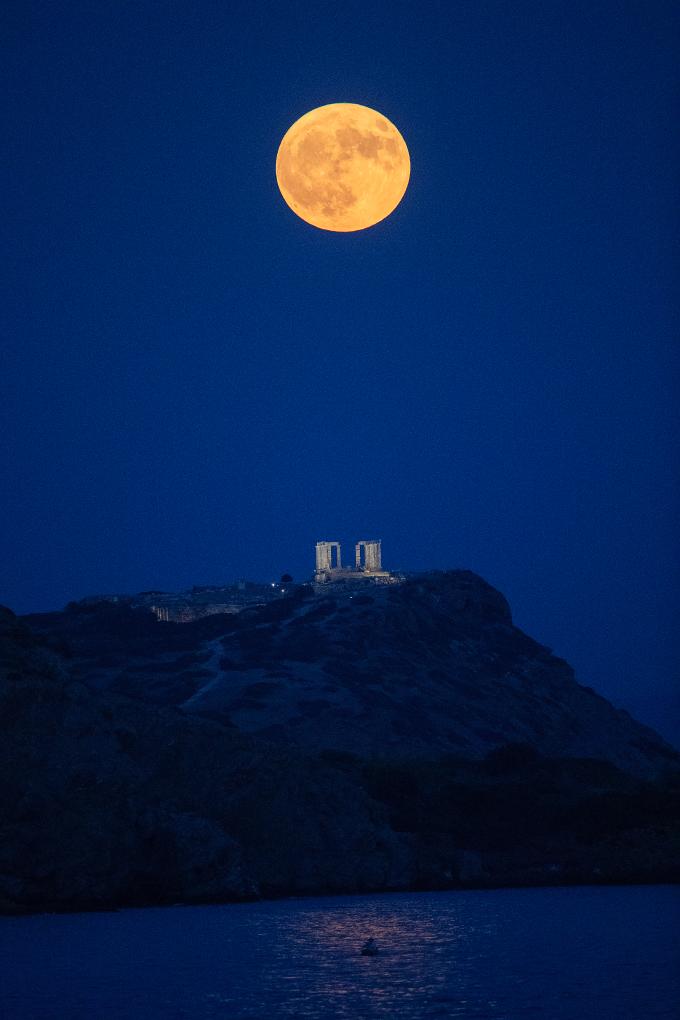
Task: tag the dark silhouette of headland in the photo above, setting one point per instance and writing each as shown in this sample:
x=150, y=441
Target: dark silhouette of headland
x=364, y=730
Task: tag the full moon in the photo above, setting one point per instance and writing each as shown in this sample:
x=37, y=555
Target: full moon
x=342, y=167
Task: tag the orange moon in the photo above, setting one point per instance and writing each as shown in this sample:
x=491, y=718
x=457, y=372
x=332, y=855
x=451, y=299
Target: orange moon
x=343, y=167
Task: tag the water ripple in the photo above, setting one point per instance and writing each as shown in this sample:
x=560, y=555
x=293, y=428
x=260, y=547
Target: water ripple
x=586, y=953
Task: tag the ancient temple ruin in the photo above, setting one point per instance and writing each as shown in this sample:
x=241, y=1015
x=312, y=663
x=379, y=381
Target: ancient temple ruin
x=367, y=564
x=369, y=556
x=324, y=557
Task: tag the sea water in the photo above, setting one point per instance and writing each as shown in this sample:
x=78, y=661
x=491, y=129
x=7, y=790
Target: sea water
x=583, y=953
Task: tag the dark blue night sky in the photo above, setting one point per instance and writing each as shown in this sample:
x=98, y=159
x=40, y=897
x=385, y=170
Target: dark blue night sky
x=197, y=385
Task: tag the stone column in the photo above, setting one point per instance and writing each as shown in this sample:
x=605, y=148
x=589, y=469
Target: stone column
x=323, y=557
x=373, y=555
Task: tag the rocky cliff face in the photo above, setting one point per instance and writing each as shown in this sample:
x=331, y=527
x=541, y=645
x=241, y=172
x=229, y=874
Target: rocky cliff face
x=431, y=666
x=405, y=737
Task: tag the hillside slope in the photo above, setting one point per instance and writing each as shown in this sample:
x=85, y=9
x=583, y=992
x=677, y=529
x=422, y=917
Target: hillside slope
x=108, y=800
x=430, y=666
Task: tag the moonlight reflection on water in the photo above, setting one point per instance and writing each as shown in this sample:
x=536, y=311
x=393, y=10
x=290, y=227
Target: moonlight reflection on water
x=560, y=954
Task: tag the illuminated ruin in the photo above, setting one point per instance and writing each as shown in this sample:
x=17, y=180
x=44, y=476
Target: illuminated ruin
x=367, y=564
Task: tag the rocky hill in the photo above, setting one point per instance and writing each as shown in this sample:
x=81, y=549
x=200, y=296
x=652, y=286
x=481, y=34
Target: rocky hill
x=430, y=666
x=406, y=737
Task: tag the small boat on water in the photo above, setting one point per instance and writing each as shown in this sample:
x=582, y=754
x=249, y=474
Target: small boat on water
x=369, y=948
